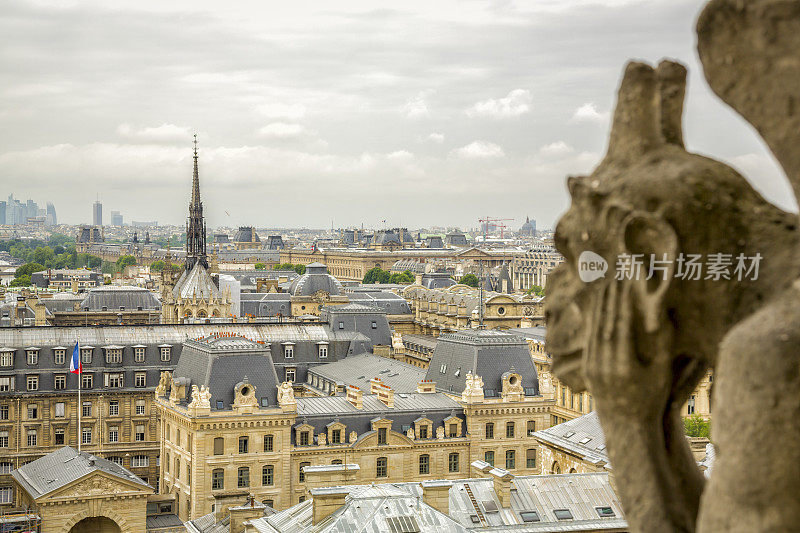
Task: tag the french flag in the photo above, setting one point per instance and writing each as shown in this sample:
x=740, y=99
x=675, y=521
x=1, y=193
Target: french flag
x=75, y=365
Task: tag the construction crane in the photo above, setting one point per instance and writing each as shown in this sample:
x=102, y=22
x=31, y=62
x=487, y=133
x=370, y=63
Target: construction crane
x=496, y=222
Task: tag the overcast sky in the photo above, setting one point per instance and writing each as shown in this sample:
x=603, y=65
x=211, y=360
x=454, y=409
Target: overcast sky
x=431, y=112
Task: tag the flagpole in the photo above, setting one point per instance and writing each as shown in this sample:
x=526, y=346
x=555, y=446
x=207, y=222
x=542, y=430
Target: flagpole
x=80, y=405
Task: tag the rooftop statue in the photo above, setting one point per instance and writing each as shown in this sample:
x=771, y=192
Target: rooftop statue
x=700, y=272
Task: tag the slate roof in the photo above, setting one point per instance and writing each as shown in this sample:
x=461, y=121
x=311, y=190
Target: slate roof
x=387, y=301
x=319, y=411
x=369, y=321
x=196, y=283
x=367, y=506
x=367, y=509
x=246, y=234
x=315, y=279
x=115, y=297
x=358, y=370
x=220, y=363
x=61, y=467
x=487, y=353
x=572, y=436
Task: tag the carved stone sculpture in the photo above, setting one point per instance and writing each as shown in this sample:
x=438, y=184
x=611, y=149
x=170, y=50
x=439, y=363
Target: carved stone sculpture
x=641, y=335
x=286, y=395
x=352, y=437
x=201, y=398
x=473, y=389
x=163, y=384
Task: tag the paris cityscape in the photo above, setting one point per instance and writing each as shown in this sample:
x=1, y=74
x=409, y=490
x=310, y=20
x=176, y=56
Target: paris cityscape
x=477, y=266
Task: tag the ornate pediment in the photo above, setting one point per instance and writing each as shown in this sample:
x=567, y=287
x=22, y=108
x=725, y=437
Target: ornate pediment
x=96, y=484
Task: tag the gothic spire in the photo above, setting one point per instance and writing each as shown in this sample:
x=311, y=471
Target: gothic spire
x=195, y=179
x=195, y=225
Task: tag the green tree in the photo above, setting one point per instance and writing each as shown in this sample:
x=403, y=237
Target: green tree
x=260, y=266
x=21, y=281
x=376, y=275
x=28, y=269
x=469, y=279
x=125, y=261
x=300, y=269
x=402, y=277
x=537, y=290
x=696, y=426
x=157, y=266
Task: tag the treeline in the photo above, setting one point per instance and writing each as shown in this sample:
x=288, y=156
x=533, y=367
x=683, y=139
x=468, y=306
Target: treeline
x=378, y=275
x=300, y=269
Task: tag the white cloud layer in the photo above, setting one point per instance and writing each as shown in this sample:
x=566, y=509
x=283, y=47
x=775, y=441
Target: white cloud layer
x=165, y=133
x=589, y=113
x=282, y=130
x=518, y=102
x=479, y=150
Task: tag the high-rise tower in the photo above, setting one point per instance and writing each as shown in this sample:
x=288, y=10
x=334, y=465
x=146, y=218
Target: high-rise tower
x=195, y=225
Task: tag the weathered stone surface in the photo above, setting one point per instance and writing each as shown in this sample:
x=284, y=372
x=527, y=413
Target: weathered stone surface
x=640, y=346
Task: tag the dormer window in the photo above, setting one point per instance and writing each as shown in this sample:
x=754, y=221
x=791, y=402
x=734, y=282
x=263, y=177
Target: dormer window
x=7, y=358
x=288, y=350
x=113, y=355
x=59, y=356
x=138, y=354
x=322, y=350
x=304, y=438
x=33, y=356
x=166, y=352
x=86, y=355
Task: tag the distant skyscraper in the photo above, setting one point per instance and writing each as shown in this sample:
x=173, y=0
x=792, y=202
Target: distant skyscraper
x=97, y=213
x=31, y=211
x=51, y=219
x=116, y=218
x=2, y=212
x=15, y=211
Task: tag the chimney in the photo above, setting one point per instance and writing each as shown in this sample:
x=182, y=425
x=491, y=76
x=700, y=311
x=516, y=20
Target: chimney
x=436, y=493
x=426, y=386
x=326, y=501
x=502, y=480
x=355, y=396
x=375, y=385
x=319, y=476
x=40, y=313
x=386, y=395
x=248, y=511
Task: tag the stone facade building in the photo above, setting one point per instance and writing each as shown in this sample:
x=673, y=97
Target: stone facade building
x=227, y=435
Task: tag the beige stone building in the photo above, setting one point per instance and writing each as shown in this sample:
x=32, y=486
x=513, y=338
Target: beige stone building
x=230, y=429
x=76, y=492
x=458, y=307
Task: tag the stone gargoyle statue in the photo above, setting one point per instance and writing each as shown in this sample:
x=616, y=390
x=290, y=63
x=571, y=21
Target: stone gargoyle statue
x=642, y=335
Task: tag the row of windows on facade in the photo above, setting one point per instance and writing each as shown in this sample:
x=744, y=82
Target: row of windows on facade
x=336, y=436
x=59, y=409
x=571, y=400
x=113, y=355
x=381, y=468
x=59, y=436
x=288, y=350
x=112, y=380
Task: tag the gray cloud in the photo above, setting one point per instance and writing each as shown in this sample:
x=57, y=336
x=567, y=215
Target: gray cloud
x=315, y=111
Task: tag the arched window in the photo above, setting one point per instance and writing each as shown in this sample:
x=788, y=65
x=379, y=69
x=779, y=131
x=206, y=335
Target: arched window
x=510, y=459
x=425, y=464
x=217, y=479
x=302, y=476
x=268, y=475
x=556, y=469
x=452, y=462
x=381, y=467
x=243, y=477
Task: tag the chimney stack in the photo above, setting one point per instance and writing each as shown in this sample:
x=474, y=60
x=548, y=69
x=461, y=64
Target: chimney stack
x=436, y=493
x=326, y=501
x=355, y=396
x=248, y=511
x=502, y=480
x=426, y=386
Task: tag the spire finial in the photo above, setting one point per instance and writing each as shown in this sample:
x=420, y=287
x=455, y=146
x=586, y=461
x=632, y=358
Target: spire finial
x=195, y=145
